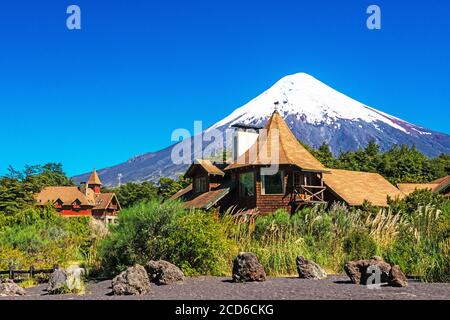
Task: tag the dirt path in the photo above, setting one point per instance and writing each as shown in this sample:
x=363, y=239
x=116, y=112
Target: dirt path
x=217, y=288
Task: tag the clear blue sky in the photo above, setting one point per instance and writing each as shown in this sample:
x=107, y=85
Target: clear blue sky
x=139, y=69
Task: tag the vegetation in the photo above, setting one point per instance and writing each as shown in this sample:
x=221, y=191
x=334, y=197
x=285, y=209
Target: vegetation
x=193, y=240
x=202, y=243
x=418, y=241
x=413, y=233
x=168, y=187
x=399, y=164
x=131, y=193
x=32, y=235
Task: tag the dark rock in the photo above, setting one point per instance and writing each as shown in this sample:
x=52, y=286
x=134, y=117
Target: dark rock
x=133, y=281
x=9, y=288
x=358, y=271
x=397, y=278
x=58, y=282
x=308, y=269
x=162, y=272
x=246, y=267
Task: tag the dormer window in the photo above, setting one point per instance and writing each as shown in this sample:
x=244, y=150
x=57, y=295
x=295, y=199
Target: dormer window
x=76, y=204
x=58, y=203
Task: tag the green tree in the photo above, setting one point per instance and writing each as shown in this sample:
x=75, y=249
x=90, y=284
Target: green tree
x=324, y=155
x=131, y=193
x=405, y=164
x=440, y=166
x=18, y=187
x=168, y=187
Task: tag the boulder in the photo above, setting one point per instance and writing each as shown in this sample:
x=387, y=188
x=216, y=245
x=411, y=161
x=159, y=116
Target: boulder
x=74, y=280
x=397, y=278
x=133, y=281
x=162, y=272
x=57, y=282
x=358, y=273
x=308, y=269
x=9, y=288
x=246, y=267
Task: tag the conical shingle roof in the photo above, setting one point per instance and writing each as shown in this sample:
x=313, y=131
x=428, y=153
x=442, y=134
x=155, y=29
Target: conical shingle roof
x=290, y=151
x=94, y=178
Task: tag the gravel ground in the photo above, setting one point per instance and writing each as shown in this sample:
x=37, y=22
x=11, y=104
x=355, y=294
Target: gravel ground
x=287, y=288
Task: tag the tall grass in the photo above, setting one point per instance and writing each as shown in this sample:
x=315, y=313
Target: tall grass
x=419, y=243
x=204, y=243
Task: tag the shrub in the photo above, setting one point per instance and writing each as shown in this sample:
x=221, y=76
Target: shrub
x=193, y=240
x=44, y=238
x=359, y=245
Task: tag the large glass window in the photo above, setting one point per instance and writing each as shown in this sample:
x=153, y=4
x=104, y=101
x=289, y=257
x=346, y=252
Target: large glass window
x=247, y=184
x=273, y=184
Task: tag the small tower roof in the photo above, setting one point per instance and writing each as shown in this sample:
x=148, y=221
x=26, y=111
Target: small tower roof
x=94, y=178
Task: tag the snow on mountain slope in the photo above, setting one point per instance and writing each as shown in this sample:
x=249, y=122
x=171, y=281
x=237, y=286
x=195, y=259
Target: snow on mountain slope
x=310, y=100
x=314, y=112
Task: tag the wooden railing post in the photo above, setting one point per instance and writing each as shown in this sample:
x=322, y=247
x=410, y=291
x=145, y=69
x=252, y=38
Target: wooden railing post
x=11, y=271
x=31, y=271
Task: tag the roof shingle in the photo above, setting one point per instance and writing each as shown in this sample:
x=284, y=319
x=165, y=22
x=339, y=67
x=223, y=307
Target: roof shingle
x=354, y=187
x=290, y=150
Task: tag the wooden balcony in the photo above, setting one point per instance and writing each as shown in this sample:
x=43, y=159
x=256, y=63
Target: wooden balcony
x=308, y=194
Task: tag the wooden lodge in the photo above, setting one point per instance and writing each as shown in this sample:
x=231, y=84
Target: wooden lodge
x=85, y=200
x=299, y=180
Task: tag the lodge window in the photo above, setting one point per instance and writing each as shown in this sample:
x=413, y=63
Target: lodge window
x=272, y=184
x=200, y=184
x=247, y=184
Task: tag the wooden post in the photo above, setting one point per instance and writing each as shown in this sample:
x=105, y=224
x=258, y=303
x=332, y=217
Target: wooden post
x=11, y=271
x=31, y=271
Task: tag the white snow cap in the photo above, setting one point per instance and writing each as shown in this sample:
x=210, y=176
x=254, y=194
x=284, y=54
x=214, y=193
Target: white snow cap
x=310, y=100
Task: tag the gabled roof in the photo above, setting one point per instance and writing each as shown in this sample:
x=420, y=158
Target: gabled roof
x=440, y=179
x=206, y=165
x=291, y=152
x=354, y=187
x=443, y=183
x=67, y=195
x=102, y=200
x=94, y=178
x=408, y=188
x=204, y=200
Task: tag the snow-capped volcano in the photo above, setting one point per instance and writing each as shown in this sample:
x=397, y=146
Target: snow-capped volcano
x=310, y=101
x=315, y=112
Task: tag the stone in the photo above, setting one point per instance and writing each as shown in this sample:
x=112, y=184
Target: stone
x=8, y=288
x=133, y=281
x=246, y=267
x=308, y=269
x=397, y=278
x=163, y=272
x=357, y=271
x=74, y=280
x=57, y=282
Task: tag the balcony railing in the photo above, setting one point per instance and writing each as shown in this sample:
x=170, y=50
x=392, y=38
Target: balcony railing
x=308, y=194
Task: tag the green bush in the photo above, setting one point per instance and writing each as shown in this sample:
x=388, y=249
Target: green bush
x=193, y=240
x=359, y=245
x=42, y=237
